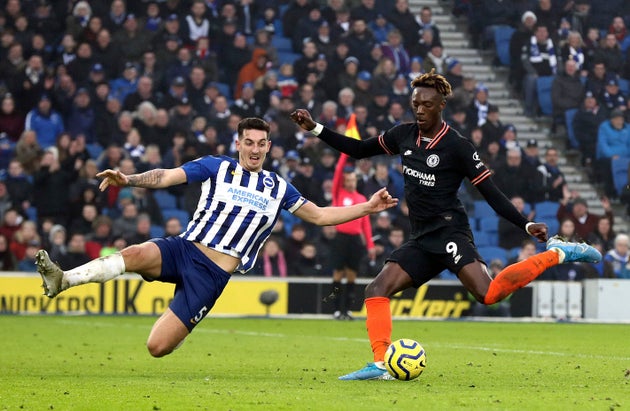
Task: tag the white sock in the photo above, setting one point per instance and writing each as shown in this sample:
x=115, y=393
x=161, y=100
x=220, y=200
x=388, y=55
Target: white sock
x=96, y=271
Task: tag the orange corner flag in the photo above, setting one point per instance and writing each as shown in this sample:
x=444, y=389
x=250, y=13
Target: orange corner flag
x=351, y=128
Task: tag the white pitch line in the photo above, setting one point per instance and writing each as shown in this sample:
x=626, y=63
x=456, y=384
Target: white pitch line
x=364, y=340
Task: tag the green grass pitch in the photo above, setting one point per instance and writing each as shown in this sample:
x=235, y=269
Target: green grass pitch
x=101, y=363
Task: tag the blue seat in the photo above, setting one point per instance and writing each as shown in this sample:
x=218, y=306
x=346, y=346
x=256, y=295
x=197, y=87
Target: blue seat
x=569, y=115
x=287, y=57
x=31, y=213
x=165, y=200
x=224, y=89
x=94, y=150
x=502, y=36
x=482, y=238
x=489, y=253
x=156, y=231
x=282, y=43
x=181, y=215
x=624, y=86
x=619, y=167
x=473, y=223
x=543, y=90
x=489, y=224
x=483, y=209
x=546, y=209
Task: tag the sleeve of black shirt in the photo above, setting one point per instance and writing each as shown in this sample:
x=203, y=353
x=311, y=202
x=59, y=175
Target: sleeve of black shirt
x=352, y=147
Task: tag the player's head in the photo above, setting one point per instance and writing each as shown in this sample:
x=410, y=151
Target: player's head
x=253, y=143
x=430, y=91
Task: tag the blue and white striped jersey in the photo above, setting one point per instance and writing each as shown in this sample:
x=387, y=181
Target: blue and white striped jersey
x=237, y=208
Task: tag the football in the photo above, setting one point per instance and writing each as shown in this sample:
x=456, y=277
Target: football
x=405, y=359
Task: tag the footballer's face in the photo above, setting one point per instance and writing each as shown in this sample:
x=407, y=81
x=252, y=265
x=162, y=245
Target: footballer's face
x=427, y=105
x=252, y=148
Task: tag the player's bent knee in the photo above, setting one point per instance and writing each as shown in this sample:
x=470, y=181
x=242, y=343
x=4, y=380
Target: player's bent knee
x=159, y=348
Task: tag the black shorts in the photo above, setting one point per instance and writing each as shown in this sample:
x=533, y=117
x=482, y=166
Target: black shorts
x=425, y=257
x=348, y=252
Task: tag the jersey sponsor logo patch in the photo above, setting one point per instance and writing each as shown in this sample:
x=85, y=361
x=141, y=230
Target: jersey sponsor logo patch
x=424, y=179
x=433, y=160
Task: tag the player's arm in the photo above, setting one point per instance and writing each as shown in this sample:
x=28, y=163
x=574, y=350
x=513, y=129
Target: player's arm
x=157, y=178
x=311, y=213
x=352, y=147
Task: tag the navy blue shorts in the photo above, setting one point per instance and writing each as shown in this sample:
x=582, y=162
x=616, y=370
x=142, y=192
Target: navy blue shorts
x=198, y=281
x=426, y=257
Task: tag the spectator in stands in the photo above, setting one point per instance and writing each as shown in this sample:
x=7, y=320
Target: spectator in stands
x=425, y=22
x=597, y=78
x=554, y=182
x=603, y=234
x=252, y=70
x=586, y=125
x=366, y=11
x=516, y=178
x=272, y=261
x=613, y=141
x=494, y=13
x=76, y=252
x=436, y=59
x=493, y=128
x=576, y=208
x=27, y=264
x=195, y=24
x=509, y=237
x=8, y=262
x=538, y=59
x=619, y=257
x=309, y=264
x=122, y=86
x=610, y=54
x=296, y=10
x=19, y=186
x=293, y=245
x=28, y=151
x=25, y=235
x=142, y=231
x=45, y=122
x=307, y=27
x=393, y=49
x=404, y=20
x=612, y=98
x=567, y=90
x=518, y=42
x=573, y=50
x=28, y=84
x=360, y=40
x=11, y=120
x=464, y=95
x=478, y=108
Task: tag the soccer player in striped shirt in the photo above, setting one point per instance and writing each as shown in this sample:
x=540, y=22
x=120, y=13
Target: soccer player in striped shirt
x=238, y=207
x=435, y=160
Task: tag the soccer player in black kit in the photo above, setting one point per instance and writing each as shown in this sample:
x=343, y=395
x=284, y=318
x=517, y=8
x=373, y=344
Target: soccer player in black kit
x=435, y=160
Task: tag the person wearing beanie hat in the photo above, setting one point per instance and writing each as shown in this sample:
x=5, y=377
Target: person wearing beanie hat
x=520, y=38
x=613, y=141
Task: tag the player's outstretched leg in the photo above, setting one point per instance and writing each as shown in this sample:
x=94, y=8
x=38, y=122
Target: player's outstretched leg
x=99, y=270
x=573, y=252
x=372, y=371
x=51, y=274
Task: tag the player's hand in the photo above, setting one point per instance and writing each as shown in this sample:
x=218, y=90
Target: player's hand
x=538, y=230
x=112, y=178
x=382, y=200
x=303, y=119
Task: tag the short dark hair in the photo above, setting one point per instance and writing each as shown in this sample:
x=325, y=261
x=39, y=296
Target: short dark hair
x=252, y=123
x=434, y=81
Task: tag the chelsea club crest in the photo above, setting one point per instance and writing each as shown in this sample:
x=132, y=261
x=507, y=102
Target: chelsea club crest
x=433, y=160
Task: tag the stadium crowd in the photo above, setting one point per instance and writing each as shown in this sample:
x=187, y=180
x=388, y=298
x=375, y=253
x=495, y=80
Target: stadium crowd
x=91, y=85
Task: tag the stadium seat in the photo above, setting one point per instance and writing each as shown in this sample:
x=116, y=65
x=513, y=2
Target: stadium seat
x=287, y=57
x=624, y=86
x=569, y=115
x=224, y=89
x=502, y=36
x=156, y=231
x=94, y=150
x=179, y=214
x=489, y=253
x=489, y=224
x=546, y=209
x=483, y=209
x=482, y=238
x=165, y=200
x=543, y=89
x=282, y=43
x=31, y=213
x=473, y=223
x=619, y=167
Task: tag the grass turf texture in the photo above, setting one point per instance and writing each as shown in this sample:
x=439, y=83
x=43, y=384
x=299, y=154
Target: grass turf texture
x=100, y=363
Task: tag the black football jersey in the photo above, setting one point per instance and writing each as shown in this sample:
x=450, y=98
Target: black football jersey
x=433, y=171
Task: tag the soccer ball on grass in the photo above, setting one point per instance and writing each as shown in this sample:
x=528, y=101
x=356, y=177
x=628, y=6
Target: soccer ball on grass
x=405, y=359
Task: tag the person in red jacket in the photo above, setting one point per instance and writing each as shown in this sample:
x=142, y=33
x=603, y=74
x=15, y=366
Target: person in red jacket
x=352, y=240
x=576, y=210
